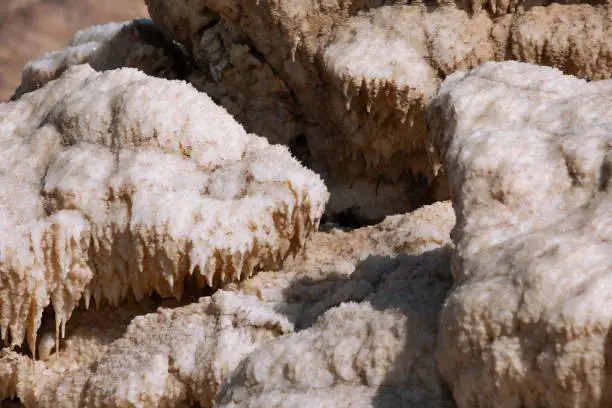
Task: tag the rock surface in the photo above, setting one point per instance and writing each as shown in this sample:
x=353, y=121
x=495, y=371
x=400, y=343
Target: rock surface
x=139, y=191
x=105, y=194
x=529, y=157
x=361, y=305
x=362, y=72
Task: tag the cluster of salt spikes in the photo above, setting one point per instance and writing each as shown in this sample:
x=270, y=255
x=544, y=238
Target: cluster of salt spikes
x=378, y=145
x=383, y=84
x=141, y=182
x=42, y=262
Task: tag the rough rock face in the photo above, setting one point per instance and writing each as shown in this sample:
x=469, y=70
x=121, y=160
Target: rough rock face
x=361, y=73
x=529, y=156
x=361, y=305
x=229, y=69
x=103, y=194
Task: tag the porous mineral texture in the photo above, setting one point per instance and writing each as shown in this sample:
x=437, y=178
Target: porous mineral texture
x=529, y=157
x=361, y=73
x=116, y=183
x=351, y=321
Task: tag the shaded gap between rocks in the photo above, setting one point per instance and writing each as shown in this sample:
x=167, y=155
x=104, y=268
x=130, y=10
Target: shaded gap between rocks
x=11, y=403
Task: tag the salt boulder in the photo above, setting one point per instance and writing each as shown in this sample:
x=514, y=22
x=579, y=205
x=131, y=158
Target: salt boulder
x=137, y=356
x=361, y=305
x=529, y=157
x=117, y=183
x=227, y=69
x=375, y=349
x=360, y=74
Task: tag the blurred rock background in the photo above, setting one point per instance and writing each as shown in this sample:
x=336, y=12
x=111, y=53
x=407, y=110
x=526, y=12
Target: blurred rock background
x=29, y=28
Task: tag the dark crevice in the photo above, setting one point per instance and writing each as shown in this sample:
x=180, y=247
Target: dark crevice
x=149, y=34
x=257, y=53
x=419, y=190
x=346, y=220
x=191, y=294
x=23, y=349
x=11, y=403
x=351, y=218
x=213, y=18
x=300, y=150
x=605, y=173
x=509, y=51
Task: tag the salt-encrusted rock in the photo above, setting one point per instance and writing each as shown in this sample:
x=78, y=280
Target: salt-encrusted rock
x=228, y=70
x=362, y=304
x=376, y=353
x=362, y=72
x=529, y=157
x=137, y=44
x=115, y=183
x=169, y=358
x=344, y=88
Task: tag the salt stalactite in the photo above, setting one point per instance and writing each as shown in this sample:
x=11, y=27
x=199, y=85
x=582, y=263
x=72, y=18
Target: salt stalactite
x=365, y=70
x=361, y=304
x=135, y=196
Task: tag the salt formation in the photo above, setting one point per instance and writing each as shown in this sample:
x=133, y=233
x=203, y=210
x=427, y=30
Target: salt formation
x=374, y=353
x=137, y=44
x=345, y=85
x=377, y=289
x=362, y=72
x=529, y=156
x=229, y=70
x=116, y=182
